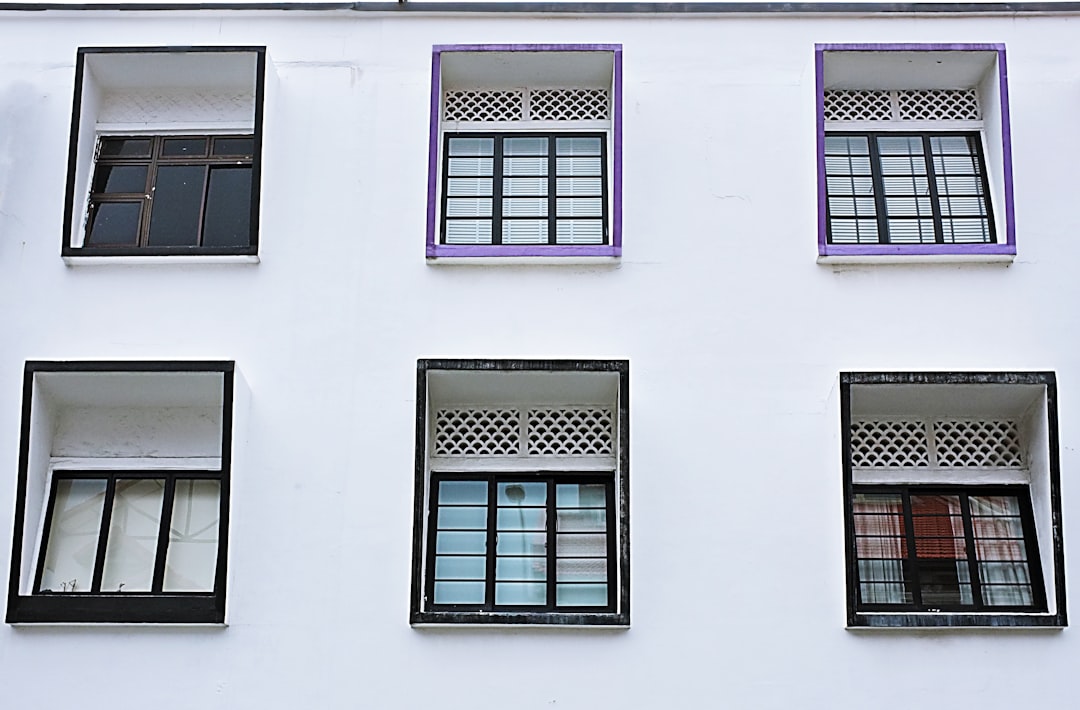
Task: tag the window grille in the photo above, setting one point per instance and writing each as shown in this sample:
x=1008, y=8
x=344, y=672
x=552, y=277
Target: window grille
x=906, y=105
x=507, y=105
x=542, y=431
x=939, y=443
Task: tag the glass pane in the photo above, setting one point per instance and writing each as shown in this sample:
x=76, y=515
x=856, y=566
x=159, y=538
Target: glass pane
x=581, y=495
x=114, y=224
x=995, y=505
x=469, y=187
x=997, y=527
x=472, y=146
x=570, y=186
x=183, y=147
x=884, y=594
x=579, y=207
x=178, y=194
x=460, y=542
x=125, y=147
x=525, y=543
x=520, y=593
x=581, y=595
x=468, y=207
x=525, y=166
x=462, y=518
x=847, y=145
x=525, y=146
x=581, y=545
x=581, y=520
x=581, y=570
x=468, y=231
x=577, y=146
x=1007, y=595
x=578, y=166
x=1004, y=573
x=944, y=582
x=525, y=231
x=191, y=561
x=579, y=231
x=522, y=519
x=463, y=492
x=134, y=529
x=521, y=568
x=527, y=187
x=468, y=167
x=460, y=568
x=459, y=592
x=1001, y=550
x=234, y=146
x=228, y=208
x=119, y=179
x=522, y=494
x=71, y=547
x=525, y=207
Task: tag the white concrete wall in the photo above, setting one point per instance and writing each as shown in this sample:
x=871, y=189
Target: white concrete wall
x=735, y=336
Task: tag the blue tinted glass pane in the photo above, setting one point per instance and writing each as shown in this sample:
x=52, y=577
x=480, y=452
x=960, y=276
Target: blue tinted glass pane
x=463, y=492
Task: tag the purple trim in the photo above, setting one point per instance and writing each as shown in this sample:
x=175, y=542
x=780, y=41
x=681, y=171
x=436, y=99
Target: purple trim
x=444, y=250
x=1009, y=247
x=916, y=249
x=432, y=248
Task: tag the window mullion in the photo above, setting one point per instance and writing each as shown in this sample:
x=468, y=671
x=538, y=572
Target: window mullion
x=550, y=548
x=148, y=198
x=492, y=542
x=972, y=557
x=611, y=527
x=552, y=187
x=202, y=203
x=103, y=535
x=498, y=171
x=163, y=535
x=912, y=557
x=931, y=183
x=879, y=189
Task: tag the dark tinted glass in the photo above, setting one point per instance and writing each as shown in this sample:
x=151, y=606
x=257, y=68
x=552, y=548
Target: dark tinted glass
x=179, y=147
x=234, y=146
x=114, y=224
x=228, y=208
x=119, y=178
x=174, y=217
x=125, y=147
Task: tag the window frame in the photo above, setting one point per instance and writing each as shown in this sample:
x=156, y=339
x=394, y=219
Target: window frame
x=436, y=250
x=1052, y=549
x=127, y=607
x=1004, y=230
x=76, y=206
x=935, y=198
x=910, y=563
x=153, y=162
x=420, y=612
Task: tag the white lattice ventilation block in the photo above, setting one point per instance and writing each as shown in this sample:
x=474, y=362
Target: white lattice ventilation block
x=571, y=431
x=484, y=105
x=177, y=106
x=965, y=443
x=903, y=105
x=568, y=104
x=889, y=444
x=491, y=105
x=477, y=432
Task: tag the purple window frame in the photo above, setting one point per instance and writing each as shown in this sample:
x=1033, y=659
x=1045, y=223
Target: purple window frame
x=826, y=249
x=614, y=248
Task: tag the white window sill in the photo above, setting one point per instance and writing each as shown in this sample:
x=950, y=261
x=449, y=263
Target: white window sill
x=888, y=259
x=519, y=260
x=157, y=260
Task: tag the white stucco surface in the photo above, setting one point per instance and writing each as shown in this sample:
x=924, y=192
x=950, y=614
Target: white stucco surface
x=734, y=333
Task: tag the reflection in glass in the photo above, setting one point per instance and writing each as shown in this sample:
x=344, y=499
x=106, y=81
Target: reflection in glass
x=133, y=535
x=191, y=561
x=178, y=194
x=114, y=224
x=227, y=222
x=71, y=547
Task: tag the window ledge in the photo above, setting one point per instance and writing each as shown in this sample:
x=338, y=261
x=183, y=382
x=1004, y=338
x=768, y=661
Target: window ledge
x=917, y=254
x=117, y=609
x=522, y=254
x=495, y=619
x=953, y=620
x=153, y=259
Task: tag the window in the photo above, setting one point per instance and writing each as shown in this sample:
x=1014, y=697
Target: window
x=914, y=152
x=526, y=158
x=165, y=153
x=171, y=191
x=522, y=493
x=122, y=514
x=951, y=490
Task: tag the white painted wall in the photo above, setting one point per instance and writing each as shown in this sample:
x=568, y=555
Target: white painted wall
x=734, y=333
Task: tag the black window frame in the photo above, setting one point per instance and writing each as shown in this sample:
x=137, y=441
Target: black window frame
x=882, y=217
x=1052, y=549
x=551, y=479
x=552, y=177
x=913, y=564
x=125, y=607
x=73, y=245
x=420, y=612
x=153, y=161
